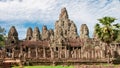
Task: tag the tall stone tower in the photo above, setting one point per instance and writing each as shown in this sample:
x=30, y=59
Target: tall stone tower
x=45, y=33
x=36, y=34
x=13, y=35
x=51, y=34
x=84, y=32
x=29, y=34
x=64, y=26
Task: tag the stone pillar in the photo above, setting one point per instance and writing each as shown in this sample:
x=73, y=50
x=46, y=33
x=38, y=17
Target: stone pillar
x=94, y=54
x=52, y=53
x=36, y=51
x=13, y=52
x=101, y=54
x=66, y=52
x=73, y=53
x=29, y=53
x=0, y=53
x=59, y=52
x=44, y=53
x=79, y=52
x=86, y=54
x=21, y=52
x=3, y=53
x=90, y=54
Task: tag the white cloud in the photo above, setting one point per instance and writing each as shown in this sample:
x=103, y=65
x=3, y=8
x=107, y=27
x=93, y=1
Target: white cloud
x=45, y=11
x=25, y=10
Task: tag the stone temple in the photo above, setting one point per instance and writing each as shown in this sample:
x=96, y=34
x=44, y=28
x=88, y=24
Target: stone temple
x=62, y=44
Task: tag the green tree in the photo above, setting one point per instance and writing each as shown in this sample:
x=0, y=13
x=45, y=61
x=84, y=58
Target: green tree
x=118, y=37
x=106, y=30
x=2, y=36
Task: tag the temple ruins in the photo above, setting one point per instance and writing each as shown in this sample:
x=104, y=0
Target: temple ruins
x=62, y=44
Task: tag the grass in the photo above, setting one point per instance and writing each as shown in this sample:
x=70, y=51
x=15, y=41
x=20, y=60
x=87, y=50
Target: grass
x=61, y=66
x=45, y=67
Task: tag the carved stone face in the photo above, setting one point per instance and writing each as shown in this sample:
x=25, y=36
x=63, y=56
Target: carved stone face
x=29, y=32
x=36, y=34
x=13, y=31
x=85, y=30
x=44, y=28
x=12, y=35
x=63, y=14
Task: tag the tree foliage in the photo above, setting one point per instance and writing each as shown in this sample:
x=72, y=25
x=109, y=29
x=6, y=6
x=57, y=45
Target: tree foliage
x=2, y=36
x=118, y=37
x=2, y=30
x=106, y=30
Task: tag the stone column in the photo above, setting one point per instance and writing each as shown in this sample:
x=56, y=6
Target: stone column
x=3, y=53
x=86, y=54
x=44, y=53
x=79, y=51
x=60, y=52
x=91, y=54
x=36, y=51
x=52, y=53
x=13, y=52
x=94, y=54
x=21, y=52
x=66, y=52
x=73, y=53
x=0, y=53
x=29, y=53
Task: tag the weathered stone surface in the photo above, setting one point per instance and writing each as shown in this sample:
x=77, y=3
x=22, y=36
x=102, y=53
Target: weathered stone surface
x=73, y=31
x=63, y=42
x=64, y=14
x=58, y=36
x=29, y=34
x=95, y=36
x=64, y=27
x=13, y=35
x=36, y=34
x=51, y=33
x=45, y=33
x=84, y=31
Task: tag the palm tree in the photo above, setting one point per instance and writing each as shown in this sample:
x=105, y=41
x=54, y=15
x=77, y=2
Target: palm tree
x=118, y=37
x=107, y=31
x=2, y=36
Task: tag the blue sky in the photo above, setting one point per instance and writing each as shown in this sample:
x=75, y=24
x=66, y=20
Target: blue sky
x=30, y=13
